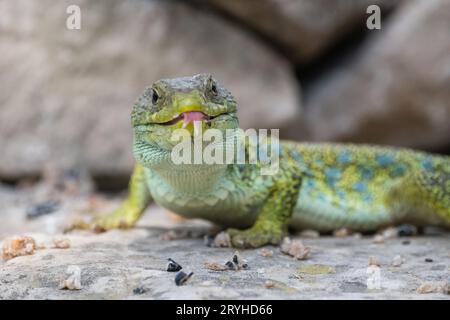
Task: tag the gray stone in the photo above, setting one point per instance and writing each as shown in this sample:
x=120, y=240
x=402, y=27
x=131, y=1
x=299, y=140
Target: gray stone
x=66, y=95
x=302, y=29
x=396, y=89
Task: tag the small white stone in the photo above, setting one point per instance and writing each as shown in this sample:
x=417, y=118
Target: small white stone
x=73, y=282
x=397, y=261
x=378, y=239
x=266, y=252
x=341, y=233
x=61, y=243
x=357, y=235
x=222, y=240
x=390, y=233
x=269, y=284
x=374, y=277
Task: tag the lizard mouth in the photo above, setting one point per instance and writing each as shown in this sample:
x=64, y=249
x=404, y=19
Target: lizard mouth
x=188, y=117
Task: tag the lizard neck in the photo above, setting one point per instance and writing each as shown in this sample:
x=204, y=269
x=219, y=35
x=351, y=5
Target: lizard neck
x=192, y=179
x=182, y=178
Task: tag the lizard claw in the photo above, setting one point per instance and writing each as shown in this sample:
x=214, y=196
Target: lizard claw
x=80, y=224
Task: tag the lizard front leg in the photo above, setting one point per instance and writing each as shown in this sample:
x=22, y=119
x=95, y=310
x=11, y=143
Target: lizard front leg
x=271, y=224
x=129, y=212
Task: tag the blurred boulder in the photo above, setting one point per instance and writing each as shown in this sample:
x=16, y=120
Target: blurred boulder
x=397, y=89
x=302, y=29
x=66, y=95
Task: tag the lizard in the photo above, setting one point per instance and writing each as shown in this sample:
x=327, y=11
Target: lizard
x=321, y=186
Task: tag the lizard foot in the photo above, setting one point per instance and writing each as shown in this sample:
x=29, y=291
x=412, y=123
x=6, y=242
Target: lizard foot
x=118, y=219
x=254, y=237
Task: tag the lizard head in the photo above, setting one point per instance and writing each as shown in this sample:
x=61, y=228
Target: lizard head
x=188, y=102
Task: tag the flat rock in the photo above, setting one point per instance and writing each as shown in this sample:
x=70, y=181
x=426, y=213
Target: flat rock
x=116, y=264
x=132, y=264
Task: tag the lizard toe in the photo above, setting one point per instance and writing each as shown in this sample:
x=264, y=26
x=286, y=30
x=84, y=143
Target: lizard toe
x=251, y=238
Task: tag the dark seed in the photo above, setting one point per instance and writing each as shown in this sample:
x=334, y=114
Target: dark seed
x=182, y=277
x=406, y=242
x=406, y=230
x=173, y=266
x=42, y=209
x=428, y=260
x=139, y=290
x=231, y=265
x=245, y=266
x=235, y=259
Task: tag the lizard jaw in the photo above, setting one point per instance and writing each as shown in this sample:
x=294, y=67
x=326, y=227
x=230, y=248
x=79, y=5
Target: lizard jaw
x=194, y=117
x=187, y=117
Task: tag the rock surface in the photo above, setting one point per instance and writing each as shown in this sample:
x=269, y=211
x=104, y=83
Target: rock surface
x=302, y=29
x=66, y=95
x=396, y=90
x=132, y=264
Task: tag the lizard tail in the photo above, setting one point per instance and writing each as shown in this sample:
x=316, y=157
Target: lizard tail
x=425, y=196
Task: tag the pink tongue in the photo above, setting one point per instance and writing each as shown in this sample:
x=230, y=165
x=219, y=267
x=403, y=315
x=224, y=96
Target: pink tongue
x=193, y=116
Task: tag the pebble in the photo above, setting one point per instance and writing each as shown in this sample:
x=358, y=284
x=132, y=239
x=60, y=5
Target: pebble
x=222, y=240
x=266, y=252
x=295, y=248
x=61, y=243
x=378, y=239
x=341, y=233
x=269, y=284
x=73, y=282
x=357, y=235
x=432, y=287
x=169, y=235
x=390, y=233
x=397, y=261
x=18, y=246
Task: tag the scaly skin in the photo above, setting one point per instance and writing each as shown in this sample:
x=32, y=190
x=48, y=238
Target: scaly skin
x=318, y=186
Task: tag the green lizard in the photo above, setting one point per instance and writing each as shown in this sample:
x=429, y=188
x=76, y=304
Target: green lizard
x=317, y=186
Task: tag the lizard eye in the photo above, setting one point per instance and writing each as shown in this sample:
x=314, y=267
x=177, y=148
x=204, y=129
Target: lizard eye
x=155, y=96
x=214, y=88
